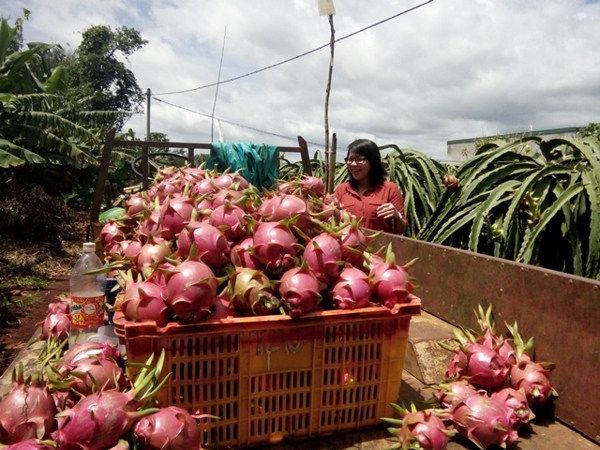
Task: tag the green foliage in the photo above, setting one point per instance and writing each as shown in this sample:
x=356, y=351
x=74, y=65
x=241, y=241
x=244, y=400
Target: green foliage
x=98, y=79
x=531, y=200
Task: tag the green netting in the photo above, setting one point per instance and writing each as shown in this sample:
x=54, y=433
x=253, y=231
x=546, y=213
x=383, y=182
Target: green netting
x=257, y=163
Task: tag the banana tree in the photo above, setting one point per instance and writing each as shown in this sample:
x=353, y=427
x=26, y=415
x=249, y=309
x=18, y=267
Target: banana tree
x=36, y=122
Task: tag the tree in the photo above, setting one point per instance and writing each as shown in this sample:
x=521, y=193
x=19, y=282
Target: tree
x=98, y=79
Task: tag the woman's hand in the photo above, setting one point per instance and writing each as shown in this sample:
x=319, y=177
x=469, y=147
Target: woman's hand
x=388, y=211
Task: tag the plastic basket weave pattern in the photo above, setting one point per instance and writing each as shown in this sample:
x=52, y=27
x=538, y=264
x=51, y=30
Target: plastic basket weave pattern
x=273, y=378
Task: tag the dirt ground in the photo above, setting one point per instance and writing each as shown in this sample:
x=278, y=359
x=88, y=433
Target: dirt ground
x=21, y=310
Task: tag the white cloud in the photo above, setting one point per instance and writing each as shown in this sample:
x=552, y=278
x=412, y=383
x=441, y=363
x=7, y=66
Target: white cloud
x=448, y=70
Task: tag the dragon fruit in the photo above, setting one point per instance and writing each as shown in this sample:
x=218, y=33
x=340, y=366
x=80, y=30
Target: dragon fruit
x=484, y=421
x=31, y=444
x=323, y=254
x=286, y=206
x=351, y=289
x=191, y=289
x=452, y=392
x=98, y=421
x=144, y=301
x=478, y=364
x=391, y=282
x=151, y=254
x=534, y=379
x=85, y=350
x=517, y=402
x=27, y=411
x=354, y=241
x=61, y=306
x=212, y=247
x=230, y=219
x=175, y=214
x=56, y=326
x=242, y=255
x=170, y=428
x=89, y=375
x=419, y=429
x=251, y=293
x=275, y=245
x=300, y=290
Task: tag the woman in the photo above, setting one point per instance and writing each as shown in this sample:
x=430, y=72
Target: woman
x=368, y=194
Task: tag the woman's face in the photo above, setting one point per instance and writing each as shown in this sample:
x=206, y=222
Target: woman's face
x=358, y=166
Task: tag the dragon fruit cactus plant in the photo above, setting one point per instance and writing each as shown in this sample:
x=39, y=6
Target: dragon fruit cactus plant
x=424, y=430
x=27, y=411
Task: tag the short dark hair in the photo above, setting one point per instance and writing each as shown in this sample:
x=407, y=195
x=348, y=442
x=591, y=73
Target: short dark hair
x=370, y=150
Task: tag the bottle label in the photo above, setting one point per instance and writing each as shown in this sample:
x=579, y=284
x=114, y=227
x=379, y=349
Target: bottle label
x=87, y=312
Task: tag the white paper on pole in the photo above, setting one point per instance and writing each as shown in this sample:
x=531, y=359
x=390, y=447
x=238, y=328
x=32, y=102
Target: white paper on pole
x=326, y=8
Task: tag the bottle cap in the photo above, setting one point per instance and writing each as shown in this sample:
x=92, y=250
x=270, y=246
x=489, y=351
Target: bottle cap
x=89, y=247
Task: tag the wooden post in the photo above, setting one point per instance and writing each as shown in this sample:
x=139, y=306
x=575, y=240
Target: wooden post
x=102, y=175
x=331, y=174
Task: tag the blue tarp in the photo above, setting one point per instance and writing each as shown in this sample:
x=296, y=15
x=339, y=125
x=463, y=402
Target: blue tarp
x=258, y=162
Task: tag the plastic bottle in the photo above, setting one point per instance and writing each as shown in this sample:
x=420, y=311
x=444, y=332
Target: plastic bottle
x=87, y=296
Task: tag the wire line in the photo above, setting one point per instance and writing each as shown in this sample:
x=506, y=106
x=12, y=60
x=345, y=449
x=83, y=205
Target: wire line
x=298, y=56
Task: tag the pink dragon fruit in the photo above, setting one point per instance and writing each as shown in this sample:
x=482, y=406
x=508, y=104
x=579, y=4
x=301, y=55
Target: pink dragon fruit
x=62, y=306
x=242, y=255
x=251, y=293
x=27, y=411
x=151, y=254
x=111, y=234
x=31, y=444
x=211, y=245
x=424, y=430
x=144, y=301
x=286, y=206
x=391, y=283
x=354, y=241
x=230, y=219
x=89, y=375
x=312, y=186
x=478, y=364
x=85, y=350
x=56, y=326
x=517, y=402
x=300, y=290
x=191, y=289
x=453, y=392
x=275, y=245
x=534, y=379
x=323, y=254
x=484, y=422
x=170, y=428
x=233, y=181
x=175, y=214
x=352, y=289
x=98, y=421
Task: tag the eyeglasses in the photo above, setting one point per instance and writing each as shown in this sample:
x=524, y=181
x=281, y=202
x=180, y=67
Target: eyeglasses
x=355, y=160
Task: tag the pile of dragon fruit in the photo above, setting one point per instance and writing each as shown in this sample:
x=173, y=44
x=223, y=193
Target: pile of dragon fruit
x=86, y=398
x=491, y=388
x=199, y=245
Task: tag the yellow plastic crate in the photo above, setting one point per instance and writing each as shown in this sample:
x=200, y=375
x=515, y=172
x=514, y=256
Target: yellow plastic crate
x=275, y=378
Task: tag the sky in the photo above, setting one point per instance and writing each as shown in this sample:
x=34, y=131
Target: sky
x=445, y=70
